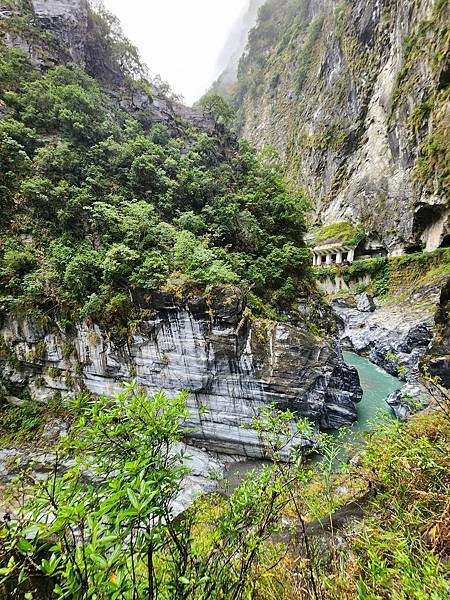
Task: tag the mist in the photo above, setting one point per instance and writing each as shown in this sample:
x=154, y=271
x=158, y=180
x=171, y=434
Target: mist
x=228, y=61
x=182, y=41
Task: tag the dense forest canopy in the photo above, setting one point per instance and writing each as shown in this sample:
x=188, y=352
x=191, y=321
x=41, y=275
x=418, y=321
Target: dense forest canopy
x=96, y=201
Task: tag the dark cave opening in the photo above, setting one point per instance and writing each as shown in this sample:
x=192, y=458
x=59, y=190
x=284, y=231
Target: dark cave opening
x=378, y=252
x=425, y=217
x=414, y=249
x=446, y=241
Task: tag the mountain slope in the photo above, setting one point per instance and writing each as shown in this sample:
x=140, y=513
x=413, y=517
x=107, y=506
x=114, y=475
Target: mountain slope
x=355, y=98
x=110, y=189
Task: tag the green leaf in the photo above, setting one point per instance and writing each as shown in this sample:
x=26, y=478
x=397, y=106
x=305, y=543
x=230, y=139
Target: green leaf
x=133, y=499
x=99, y=561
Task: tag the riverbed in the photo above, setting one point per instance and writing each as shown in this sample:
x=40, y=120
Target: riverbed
x=377, y=385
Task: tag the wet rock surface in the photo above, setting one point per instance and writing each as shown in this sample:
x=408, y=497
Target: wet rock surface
x=230, y=364
x=410, y=399
x=402, y=336
x=394, y=336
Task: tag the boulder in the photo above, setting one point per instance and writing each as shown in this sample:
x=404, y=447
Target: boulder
x=365, y=303
x=409, y=399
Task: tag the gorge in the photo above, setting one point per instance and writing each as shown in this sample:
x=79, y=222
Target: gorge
x=184, y=288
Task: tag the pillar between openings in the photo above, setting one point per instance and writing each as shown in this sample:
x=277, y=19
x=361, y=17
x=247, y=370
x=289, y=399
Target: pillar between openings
x=328, y=260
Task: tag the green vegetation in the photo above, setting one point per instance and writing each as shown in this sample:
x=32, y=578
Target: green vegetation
x=98, y=205
x=17, y=423
x=219, y=108
x=343, y=232
x=130, y=544
x=114, y=533
x=394, y=275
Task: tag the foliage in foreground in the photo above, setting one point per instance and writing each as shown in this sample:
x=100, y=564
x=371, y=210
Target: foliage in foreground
x=104, y=527
x=403, y=547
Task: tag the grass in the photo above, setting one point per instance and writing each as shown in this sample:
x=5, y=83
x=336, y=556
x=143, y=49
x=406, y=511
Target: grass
x=18, y=423
x=342, y=231
x=401, y=548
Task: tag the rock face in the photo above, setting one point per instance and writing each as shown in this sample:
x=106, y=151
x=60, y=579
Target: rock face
x=392, y=337
x=68, y=21
x=229, y=364
x=410, y=399
x=52, y=31
x=405, y=332
x=438, y=356
x=365, y=303
x=64, y=32
x=355, y=97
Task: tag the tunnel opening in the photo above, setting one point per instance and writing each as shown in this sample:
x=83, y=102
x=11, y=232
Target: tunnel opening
x=429, y=227
x=371, y=252
x=414, y=249
x=446, y=241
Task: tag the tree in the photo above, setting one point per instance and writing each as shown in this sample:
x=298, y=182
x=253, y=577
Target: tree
x=219, y=108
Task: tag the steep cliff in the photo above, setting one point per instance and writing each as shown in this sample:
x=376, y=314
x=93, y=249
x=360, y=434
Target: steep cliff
x=354, y=96
x=231, y=364
x=63, y=32
x=139, y=241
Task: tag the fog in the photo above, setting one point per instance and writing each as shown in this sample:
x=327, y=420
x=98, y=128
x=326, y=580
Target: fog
x=181, y=40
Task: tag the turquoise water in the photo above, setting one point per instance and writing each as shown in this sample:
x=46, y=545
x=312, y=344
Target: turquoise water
x=376, y=385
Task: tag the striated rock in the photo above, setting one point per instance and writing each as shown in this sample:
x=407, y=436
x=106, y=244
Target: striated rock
x=230, y=364
x=365, y=303
x=408, y=400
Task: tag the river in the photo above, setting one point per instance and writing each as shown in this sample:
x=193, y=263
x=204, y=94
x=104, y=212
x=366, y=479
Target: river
x=376, y=385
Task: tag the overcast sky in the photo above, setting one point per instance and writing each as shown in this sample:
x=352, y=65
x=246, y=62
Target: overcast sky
x=179, y=39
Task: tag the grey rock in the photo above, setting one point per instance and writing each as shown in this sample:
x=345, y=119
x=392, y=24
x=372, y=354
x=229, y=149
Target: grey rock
x=365, y=303
x=409, y=399
x=67, y=20
x=14, y=400
x=394, y=336
x=437, y=358
x=230, y=365
x=368, y=175
x=54, y=430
